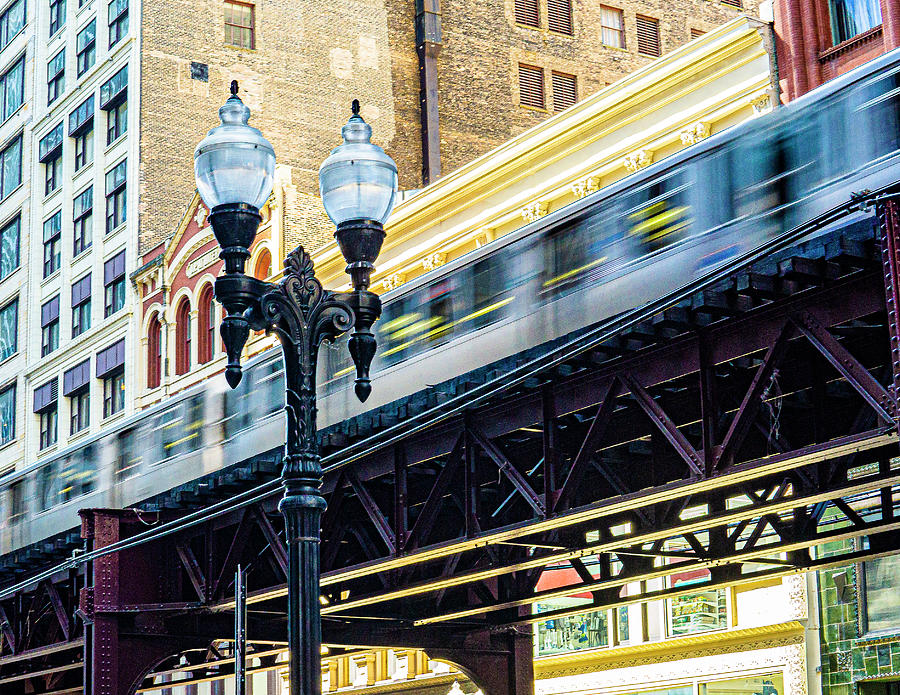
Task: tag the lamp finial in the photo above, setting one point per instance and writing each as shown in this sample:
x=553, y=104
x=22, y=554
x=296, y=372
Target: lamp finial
x=234, y=88
x=354, y=107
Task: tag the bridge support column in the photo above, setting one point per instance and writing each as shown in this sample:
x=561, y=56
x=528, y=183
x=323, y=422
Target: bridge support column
x=125, y=635
x=500, y=663
x=889, y=216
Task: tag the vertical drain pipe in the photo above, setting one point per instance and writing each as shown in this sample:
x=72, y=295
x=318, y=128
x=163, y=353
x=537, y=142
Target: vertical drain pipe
x=428, y=46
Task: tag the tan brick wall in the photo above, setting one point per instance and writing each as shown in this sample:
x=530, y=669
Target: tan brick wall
x=313, y=58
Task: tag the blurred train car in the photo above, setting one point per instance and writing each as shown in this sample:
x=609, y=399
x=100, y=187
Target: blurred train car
x=611, y=251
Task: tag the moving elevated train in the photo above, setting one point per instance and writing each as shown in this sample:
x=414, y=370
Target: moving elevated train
x=611, y=251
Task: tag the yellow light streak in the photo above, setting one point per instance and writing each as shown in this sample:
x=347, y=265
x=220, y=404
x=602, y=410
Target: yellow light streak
x=567, y=275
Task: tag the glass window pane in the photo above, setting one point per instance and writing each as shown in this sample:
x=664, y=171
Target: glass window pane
x=9, y=248
x=7, y=415
x=12, y=166
x=9, y=321
x=882, y=600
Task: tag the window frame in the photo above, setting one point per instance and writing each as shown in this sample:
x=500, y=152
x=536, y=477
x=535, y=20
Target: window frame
x=14, y=305
x=50, y=330
x=116, y=122
x=114, y=289
x=620, y=30
x=11, y=387
x=80, y=410
x=113, y=392
x=51, y=244
x=16, y=222
x=154, y=352
x=117, y=26
x=57, y=16
x=555, y=18
x=240, y=27
x=543, y=94
x=52, y=174
x=19, y=64
x=56, y=82
x=183, y=337
x=49, y=426
x=88, y=51
x=5, y=37
x=554, y=74
x=116, y=197
x=82, y=223
x=81, y=310
x=651, y=21
x=84, y=149
x=12, y=142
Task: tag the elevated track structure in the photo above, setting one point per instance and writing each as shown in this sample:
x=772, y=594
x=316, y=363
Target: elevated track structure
x=734, y=427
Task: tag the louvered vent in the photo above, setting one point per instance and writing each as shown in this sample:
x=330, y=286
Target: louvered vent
x=565, y=91
x=528, y=13
x=531, y=86
x=732, y=3
x=648, y=36
x=696, y=33
x=559, y=16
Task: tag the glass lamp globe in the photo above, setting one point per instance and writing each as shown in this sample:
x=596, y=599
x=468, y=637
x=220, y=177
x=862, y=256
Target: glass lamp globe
x=234, y=163
x=358, y=181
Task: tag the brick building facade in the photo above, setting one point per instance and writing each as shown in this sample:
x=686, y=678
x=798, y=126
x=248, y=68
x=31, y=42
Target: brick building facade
x=309, y=60
x=817, y=40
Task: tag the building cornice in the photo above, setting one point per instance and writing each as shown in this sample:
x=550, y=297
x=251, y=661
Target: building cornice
x=586, y=661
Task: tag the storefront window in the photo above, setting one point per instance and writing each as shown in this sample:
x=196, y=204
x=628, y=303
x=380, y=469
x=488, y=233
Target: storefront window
x=570, y=633
x=769, y=684
x=882, y=600
x=695, y=612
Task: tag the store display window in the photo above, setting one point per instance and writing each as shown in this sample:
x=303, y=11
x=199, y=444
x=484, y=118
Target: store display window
x=768, y=684
x=696, y=612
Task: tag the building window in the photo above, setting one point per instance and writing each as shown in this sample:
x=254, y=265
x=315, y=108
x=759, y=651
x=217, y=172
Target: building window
x=850, y=18
x=612, y=27
x=52, y=174
x=45, y=405
x=57, y=15
x=183, y=337
x=154, y=353
x=81, y=127
x=113, y=96
x=565, y=90
x=117, y=14
x=113, y=393
x=115, y=197
x=52, y=231
x=732, y=3
x=111, y=369
x=80, y=410
x=528, y=13
x=11, y=167
x=531, y=86
x=696, y=612
x=84, y=149
x=9, y=247
x=7, y=414
x=9, y=329
x=206, y=329
x=81, y=305
x=766, y=684
x=881, y=577
x=12, y=21
x=559, y=16
x=114, y=284
x=86, y=47
x=263, y=268
x=116, y=122
x=50, y=155
x=648, y=36
x=696, y=33
x=12, y=88
x=76, y=387
x=56, y=76
x=83, y=213
x=49, y=326
x=239, y=24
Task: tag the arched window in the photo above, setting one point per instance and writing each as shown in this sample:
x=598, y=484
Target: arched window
x=263, y=268
x=154, y=353
x=183, y=337
x=206, y=313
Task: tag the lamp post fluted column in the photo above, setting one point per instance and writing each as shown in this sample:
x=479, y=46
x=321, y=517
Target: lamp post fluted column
x=234, y=167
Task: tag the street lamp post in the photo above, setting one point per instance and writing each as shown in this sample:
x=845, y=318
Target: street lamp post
x=234, y=167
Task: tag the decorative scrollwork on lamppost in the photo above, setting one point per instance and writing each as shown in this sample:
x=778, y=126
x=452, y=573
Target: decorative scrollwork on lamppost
x=234, y=167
